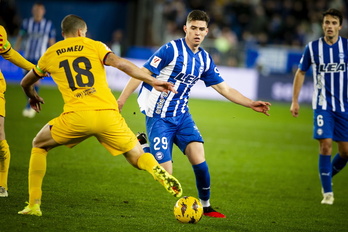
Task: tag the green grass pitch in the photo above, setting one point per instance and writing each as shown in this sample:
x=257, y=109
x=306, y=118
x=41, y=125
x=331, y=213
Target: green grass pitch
x=263, y=171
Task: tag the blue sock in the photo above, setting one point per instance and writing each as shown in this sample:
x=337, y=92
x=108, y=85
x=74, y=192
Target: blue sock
x=27, y=106
x=325, y=172
x=202, y=180
x=338, y=164
x=146, y=149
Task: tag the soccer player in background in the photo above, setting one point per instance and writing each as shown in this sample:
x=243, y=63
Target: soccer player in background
x=38, y=33
x=76, y=64
x=168, y=120
x=7, y=52
x=328, y=57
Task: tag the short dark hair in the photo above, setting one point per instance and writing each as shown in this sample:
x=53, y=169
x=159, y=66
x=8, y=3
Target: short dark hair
x=197, y=15
x=39, y=3
x=334, y=12
x=72, y=23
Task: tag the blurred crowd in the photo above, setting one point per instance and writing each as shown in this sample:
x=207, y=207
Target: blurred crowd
x=236, y=25
x=282, y=22
x=241, y=24
x=9, y=17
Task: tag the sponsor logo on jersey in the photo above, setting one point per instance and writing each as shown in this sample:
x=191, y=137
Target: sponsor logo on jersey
x=187, y=78
x=160, y=103
x=155, y=61
x=332, y=67
x=86, y=92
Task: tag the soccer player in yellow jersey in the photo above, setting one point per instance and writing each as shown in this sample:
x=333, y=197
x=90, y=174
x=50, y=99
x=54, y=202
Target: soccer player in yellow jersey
x=76, y=64
x=12, y=55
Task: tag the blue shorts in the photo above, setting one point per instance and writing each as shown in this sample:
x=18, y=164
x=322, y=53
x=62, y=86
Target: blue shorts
x=330, y=125
x=164, y=132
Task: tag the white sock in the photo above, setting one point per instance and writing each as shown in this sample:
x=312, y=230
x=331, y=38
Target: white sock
x=205, y=203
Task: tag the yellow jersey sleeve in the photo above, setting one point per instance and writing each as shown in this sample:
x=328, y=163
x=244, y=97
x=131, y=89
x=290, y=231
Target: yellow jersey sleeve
x=77, y=67
x=4, y=44
x=10, y=54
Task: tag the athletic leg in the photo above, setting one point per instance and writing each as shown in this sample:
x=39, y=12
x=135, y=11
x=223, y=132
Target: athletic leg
x=340, y=160
x=146, y=161
x=195, y=153
x=42, y=143
x=325, y=172
x=5, y=157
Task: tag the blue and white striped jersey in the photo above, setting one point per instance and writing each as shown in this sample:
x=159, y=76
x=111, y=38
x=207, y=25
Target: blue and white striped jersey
x=329, y=64
x=37, y=35
x=176, y=63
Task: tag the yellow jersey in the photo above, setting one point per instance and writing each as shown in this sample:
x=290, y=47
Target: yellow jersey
x=77, y=67
x=4, y=47
x=4, y=44
x=12, y=55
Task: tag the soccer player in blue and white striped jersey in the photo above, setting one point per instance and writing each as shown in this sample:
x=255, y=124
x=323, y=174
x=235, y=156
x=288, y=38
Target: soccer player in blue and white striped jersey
x=168, y=120
x=38, y=33
x=328, y=57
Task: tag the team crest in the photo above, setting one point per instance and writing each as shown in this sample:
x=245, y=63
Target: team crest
x=159, y=155
x=319, y=131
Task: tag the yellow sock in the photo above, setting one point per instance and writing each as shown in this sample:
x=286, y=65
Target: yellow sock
x=5, y=157
x=37, y=170
x=146, y=162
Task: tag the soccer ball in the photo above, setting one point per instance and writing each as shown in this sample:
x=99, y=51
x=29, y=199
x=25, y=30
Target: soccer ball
x=188, y=210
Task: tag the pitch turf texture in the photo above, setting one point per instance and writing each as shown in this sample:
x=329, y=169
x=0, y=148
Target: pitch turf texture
x=263, y=171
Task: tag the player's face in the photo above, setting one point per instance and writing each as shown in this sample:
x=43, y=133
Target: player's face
x=195, y=33
x=38, y=12
x=331, y=26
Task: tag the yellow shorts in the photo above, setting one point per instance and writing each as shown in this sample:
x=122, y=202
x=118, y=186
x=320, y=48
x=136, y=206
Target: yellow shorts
x=108, y=126
x=2, y=105
x=2, y=95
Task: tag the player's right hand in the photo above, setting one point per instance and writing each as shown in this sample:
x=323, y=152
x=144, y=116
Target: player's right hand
x=294, y=109
x=164, y=86
x=35, y=103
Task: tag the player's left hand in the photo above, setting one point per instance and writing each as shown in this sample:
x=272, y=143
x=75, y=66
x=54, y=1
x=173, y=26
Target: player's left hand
x=261, y=106
x=164, y=86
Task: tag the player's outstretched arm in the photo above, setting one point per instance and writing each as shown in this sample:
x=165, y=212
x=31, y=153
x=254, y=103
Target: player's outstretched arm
x=131, y=86
x=14, y=57
x=135, y=72
x=235, y=96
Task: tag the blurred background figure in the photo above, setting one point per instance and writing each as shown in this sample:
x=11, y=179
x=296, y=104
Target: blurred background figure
x=36, y=35
x=225, y=43
x=116, y=44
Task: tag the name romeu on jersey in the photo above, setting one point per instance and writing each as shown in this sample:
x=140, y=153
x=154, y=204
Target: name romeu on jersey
x=329, y=66
x=176, y=63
